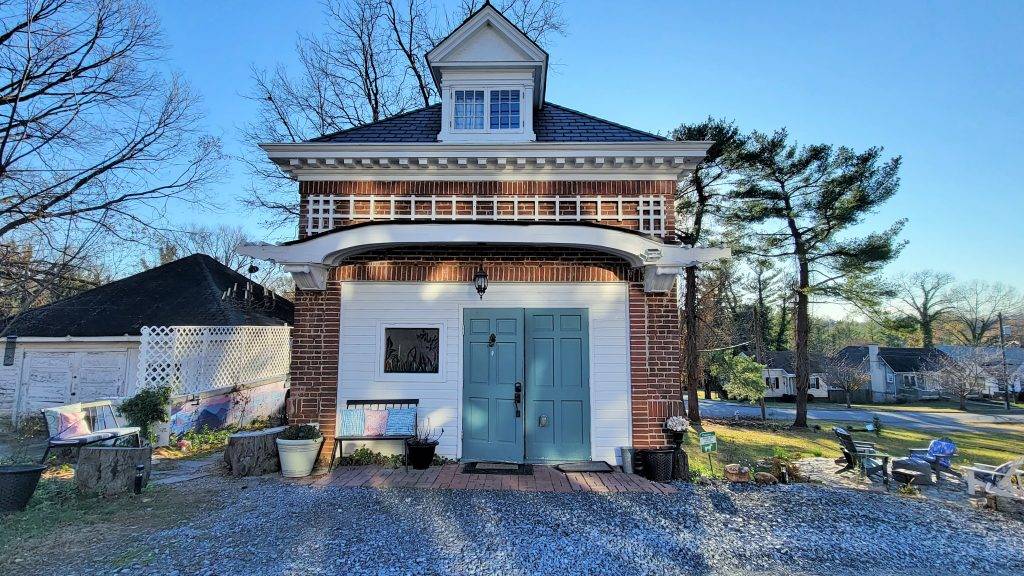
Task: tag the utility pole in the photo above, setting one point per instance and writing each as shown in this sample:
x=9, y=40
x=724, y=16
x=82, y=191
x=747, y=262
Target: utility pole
x=1002, y=350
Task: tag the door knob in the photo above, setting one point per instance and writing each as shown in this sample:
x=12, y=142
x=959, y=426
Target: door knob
x=519, y=399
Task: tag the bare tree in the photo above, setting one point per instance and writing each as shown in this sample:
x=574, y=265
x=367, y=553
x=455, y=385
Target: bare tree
x=976, y=308
x=220, y=243
x=964, y=376
x=927, y=297
x=94, y=141
x=841, y=375
x=370, y=64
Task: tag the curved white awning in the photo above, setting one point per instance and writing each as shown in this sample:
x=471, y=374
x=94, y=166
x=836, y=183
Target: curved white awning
x=309, y=260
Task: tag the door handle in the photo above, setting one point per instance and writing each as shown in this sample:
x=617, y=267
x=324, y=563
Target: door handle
x=519, y=399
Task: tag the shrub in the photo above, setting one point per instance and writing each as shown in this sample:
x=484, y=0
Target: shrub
x=146, y=408
x=303, y=432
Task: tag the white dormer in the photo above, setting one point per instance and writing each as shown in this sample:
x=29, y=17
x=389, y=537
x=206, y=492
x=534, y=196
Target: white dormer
x=491, y=78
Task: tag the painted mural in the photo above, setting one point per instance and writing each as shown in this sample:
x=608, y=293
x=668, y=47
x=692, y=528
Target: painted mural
x=229, y=408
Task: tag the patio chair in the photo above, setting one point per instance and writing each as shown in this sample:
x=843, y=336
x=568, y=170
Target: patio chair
x=939, y=455
x=1006, y=480
x=862, y=456
x=83, y=424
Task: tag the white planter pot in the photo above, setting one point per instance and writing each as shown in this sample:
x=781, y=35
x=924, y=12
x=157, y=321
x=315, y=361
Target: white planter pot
x=298, y=456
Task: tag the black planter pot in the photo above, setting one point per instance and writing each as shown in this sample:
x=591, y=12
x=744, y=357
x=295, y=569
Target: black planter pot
x=17, y=484
x=658, y=465
x=421, y=455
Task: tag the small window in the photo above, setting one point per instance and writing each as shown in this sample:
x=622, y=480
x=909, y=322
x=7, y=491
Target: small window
x=469, y=109
x=504, y=109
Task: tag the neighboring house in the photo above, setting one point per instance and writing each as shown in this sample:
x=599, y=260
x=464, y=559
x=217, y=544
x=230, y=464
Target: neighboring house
x=895, y=373
x=86, y=347
x=508, y=262
x=780, y=376
x=990, y=360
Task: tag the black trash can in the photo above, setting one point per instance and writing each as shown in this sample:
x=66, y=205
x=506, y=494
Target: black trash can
x=658, y=464
x=17, y=484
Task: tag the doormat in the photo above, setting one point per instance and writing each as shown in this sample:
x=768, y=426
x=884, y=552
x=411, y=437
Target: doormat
x=585, y=467
x=502, y=468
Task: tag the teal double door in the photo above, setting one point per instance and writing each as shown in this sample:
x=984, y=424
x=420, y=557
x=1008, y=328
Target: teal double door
x=526, y=385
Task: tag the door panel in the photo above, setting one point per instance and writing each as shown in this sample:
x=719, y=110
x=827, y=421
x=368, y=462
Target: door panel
x=491, y=430
x=46, y=380
x=557, y=417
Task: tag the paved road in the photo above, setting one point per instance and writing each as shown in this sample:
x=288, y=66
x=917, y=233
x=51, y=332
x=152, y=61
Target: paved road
x=908, y=419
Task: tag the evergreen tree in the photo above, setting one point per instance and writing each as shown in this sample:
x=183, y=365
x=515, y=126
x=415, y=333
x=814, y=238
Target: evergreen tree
x=699, y=198
x=797, y=203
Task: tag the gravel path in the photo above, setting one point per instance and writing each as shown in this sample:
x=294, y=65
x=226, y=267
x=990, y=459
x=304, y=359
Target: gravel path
x=273, y=528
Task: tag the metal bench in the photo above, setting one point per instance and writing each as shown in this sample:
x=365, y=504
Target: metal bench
x=377, y=405
x=102, y=422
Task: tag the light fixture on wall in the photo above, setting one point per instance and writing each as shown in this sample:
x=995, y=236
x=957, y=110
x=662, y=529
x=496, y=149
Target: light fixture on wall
x=480, y=281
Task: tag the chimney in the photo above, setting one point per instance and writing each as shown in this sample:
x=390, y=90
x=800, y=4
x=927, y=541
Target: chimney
x=873, y=353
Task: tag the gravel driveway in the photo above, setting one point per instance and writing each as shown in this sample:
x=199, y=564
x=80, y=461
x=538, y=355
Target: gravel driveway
x=275, y=528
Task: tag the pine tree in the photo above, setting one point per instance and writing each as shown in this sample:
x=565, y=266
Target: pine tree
x=798, y=203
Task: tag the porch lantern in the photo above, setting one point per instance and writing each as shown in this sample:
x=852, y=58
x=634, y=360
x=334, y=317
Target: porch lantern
x=480, y=281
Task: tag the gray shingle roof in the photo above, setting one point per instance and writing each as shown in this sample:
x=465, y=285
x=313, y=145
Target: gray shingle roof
x=785, y=360
x=186, y=292
x=552, y=123
x=899, y=359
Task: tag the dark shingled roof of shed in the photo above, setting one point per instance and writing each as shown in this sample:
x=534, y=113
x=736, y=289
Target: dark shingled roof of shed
x=551, y=123
x=186, y=292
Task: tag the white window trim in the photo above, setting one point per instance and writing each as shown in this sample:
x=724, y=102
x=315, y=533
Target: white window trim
x=383, y=376
x=487, y=111
x=525, y=131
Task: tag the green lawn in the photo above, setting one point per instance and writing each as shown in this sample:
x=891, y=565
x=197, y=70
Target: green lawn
x=747, y=445
x=922, y=406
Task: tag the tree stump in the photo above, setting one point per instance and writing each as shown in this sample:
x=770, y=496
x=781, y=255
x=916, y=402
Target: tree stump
x=110, y=470
x=253, y=453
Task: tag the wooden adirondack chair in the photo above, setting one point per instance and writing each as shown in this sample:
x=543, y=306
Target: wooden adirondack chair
x=1006, y=480
x=862, y=456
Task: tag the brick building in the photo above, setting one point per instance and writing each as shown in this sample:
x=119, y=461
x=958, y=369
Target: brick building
x=508, y=262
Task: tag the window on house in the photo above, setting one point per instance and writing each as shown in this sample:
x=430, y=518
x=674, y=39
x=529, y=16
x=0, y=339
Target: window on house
x=504, y=109
x=469, y=109
x=909, y=381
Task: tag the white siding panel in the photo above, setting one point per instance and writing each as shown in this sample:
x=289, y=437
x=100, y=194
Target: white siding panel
x=367, y=305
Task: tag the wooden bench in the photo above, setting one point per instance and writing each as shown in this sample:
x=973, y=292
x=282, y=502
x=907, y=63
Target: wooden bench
x=339, y=441
x=103, y=425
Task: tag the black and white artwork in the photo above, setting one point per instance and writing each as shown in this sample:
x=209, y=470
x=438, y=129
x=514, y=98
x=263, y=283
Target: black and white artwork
x=411, y=350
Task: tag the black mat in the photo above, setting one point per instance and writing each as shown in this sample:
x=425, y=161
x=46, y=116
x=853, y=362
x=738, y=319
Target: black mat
x=498, y=468
x=585, y=467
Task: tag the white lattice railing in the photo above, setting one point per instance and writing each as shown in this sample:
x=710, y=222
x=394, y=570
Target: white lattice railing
x=328, y=212
x=195, y=359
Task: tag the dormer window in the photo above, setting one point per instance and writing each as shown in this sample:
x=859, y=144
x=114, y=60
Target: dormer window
x=469, y=109
x=504, y=109
x=486, y=110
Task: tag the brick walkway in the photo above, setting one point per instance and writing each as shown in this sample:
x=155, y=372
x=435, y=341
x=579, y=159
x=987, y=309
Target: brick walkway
x=449, y=476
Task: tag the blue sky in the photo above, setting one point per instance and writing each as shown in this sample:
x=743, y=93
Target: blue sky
x=939, y=83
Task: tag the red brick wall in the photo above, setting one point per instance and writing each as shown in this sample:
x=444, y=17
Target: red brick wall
x=654, y=323
x=568, y=189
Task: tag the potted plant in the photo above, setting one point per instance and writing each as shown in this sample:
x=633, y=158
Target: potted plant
x=298, y=447
x=679, y=426
x=421, y=447
x=18, y=480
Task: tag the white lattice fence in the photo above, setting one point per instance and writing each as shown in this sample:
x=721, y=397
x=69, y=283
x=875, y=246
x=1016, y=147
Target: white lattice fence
x=194, y=359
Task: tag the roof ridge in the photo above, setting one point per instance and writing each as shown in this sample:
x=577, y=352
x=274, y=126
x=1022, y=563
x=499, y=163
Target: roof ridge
x=606, y=121
x=231, y=314
x=327, y=137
